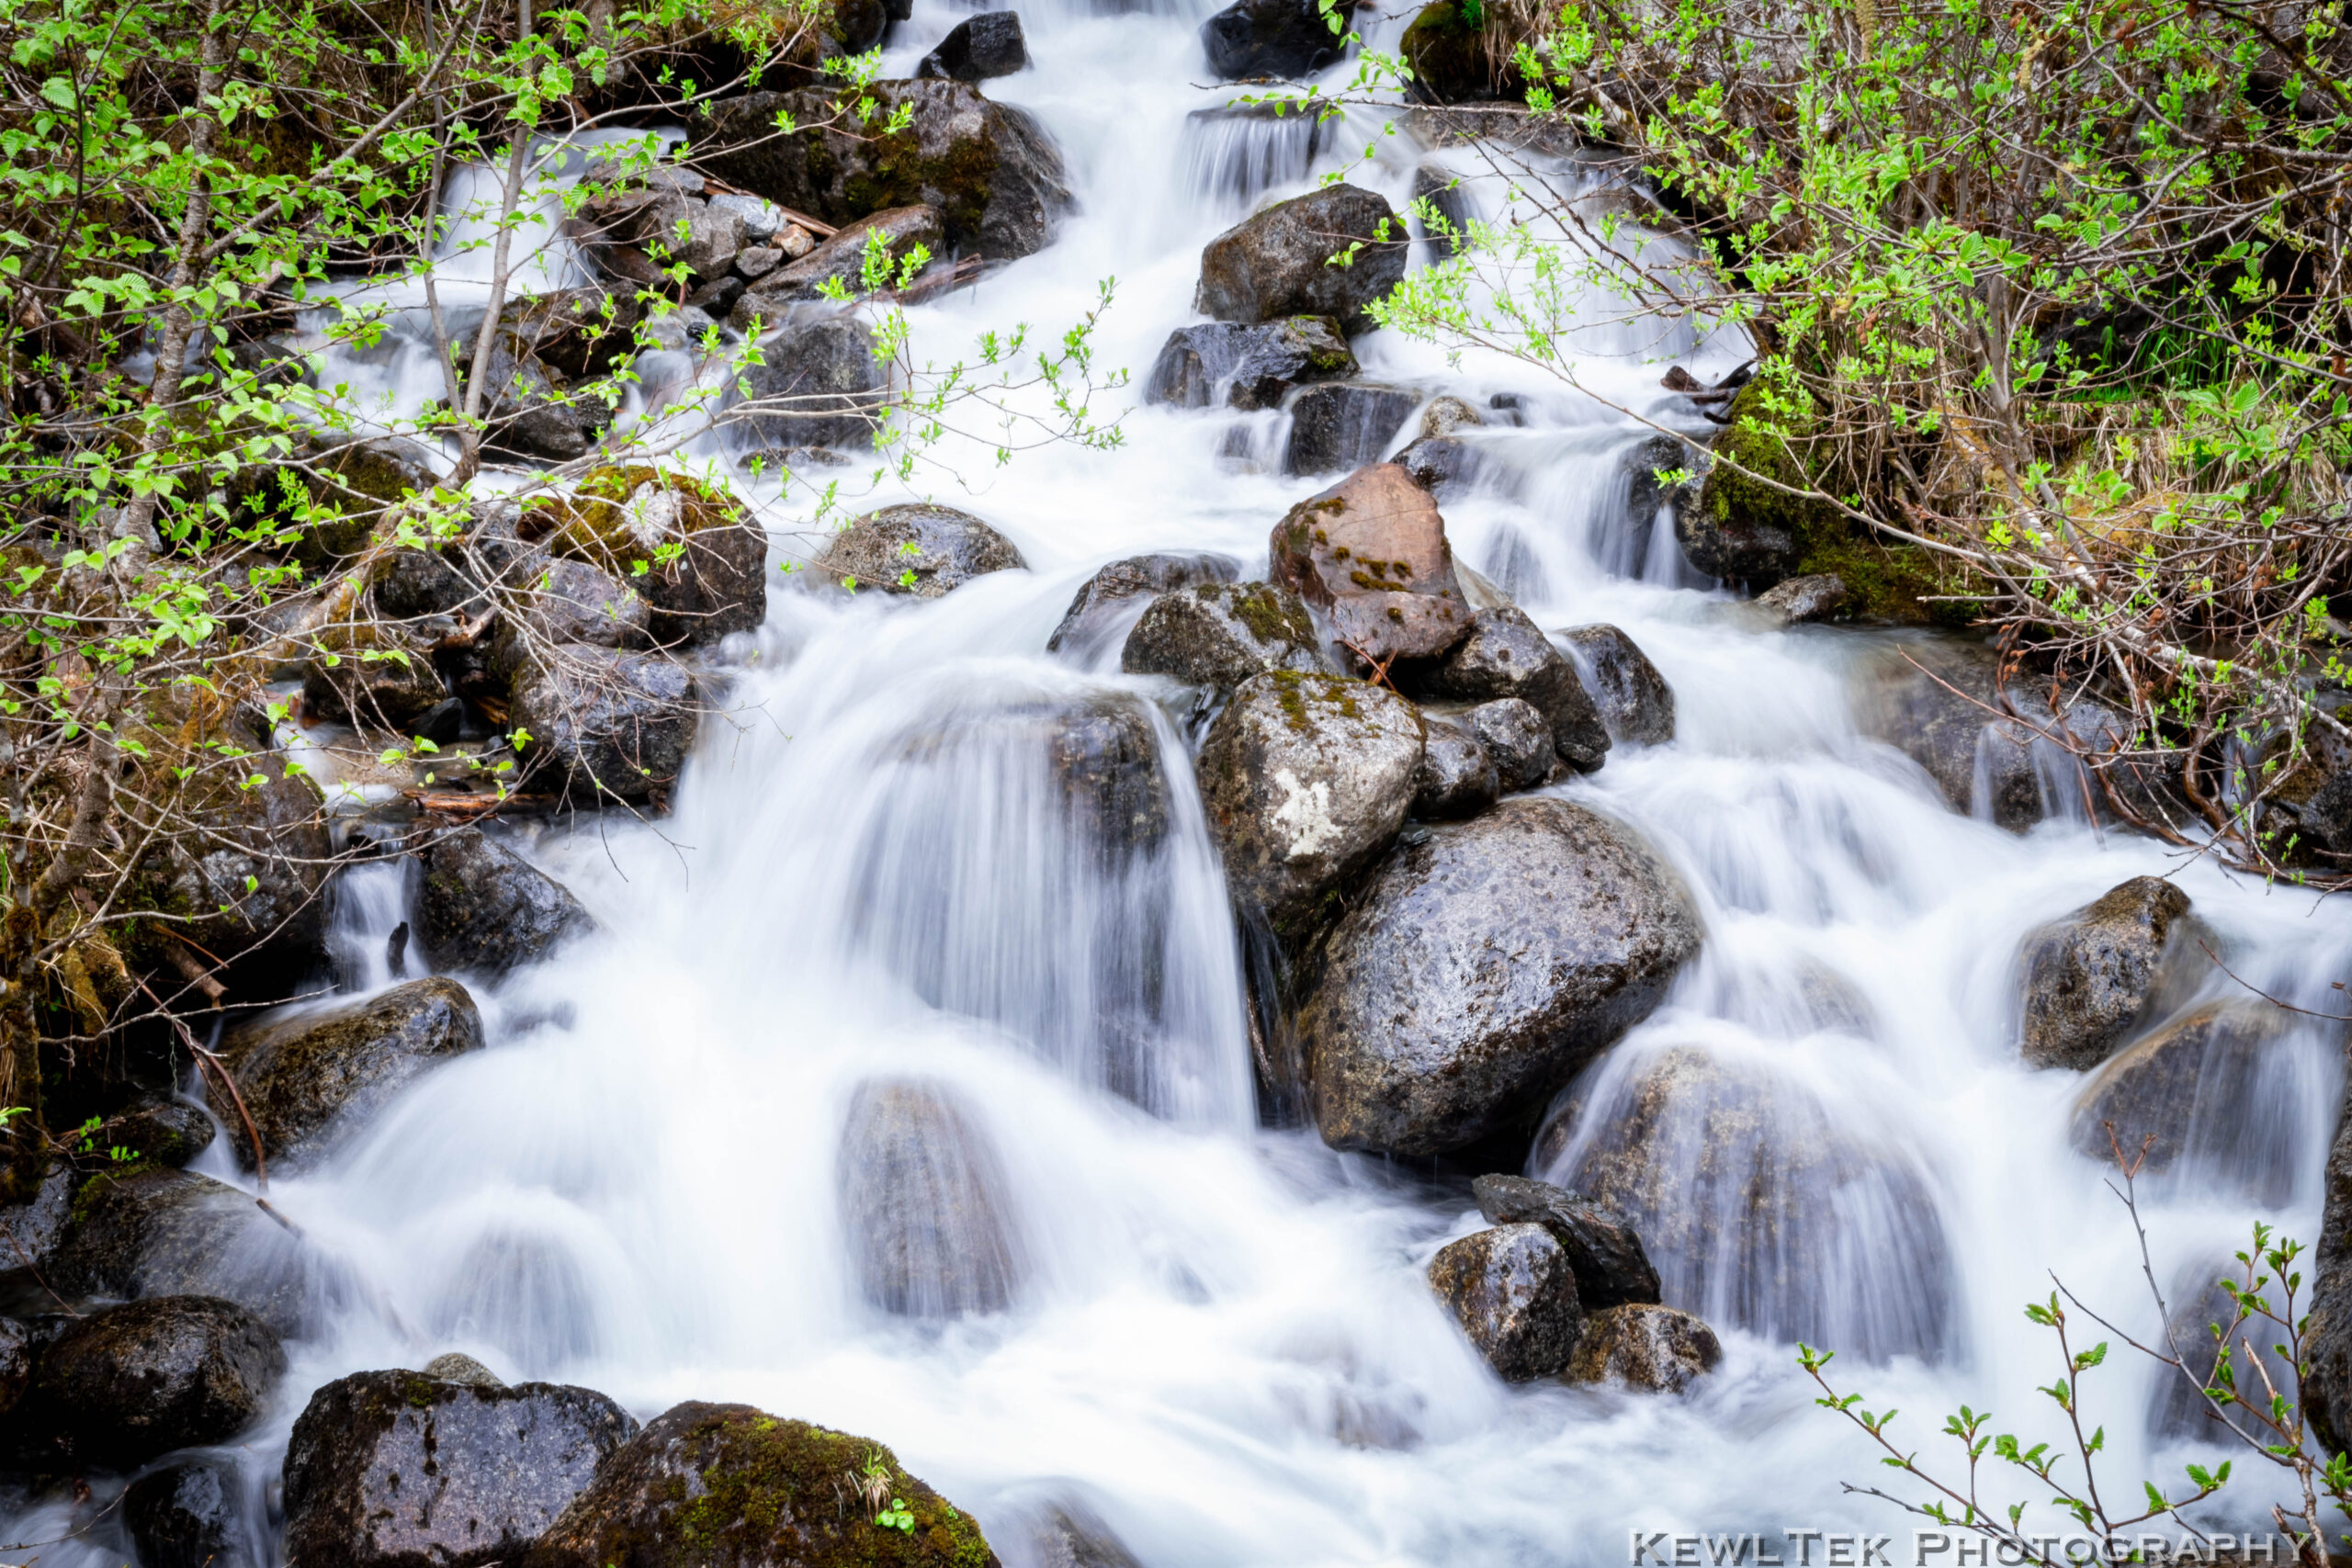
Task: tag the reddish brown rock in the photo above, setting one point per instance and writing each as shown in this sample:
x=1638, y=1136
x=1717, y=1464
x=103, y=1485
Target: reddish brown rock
x=1371, y=552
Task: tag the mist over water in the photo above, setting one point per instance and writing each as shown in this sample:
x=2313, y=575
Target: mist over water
x=879, y=895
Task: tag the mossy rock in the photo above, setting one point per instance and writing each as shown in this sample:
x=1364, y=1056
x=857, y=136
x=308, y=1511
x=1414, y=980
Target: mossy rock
x=728, y=1487
x=716, y=582
x=595, y=524
x=1455, y=55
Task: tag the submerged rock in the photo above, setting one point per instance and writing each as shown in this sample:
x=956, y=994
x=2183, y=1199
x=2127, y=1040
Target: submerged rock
x=1802, y=599
x=2092, y=977
x=187, y=1517
x=1342, y=425
x=938, y=547
x=392, y=1469
x=1646, y=1346
x=1480, y=967
x=1065, y=1533
x=1503, y=654
x=1105, y=605
x=1513, y=1293
x=128, y=1384
x=1305, y=779
x=1371, y=553
x=307, y=1077
x=1457, y=777
x=1611, y=1268
x=980, y=48
x=1276, y=263
x=1221, y=633
x=2193, y=1092
x=153, y=1231
x=1632, y=698
x=1254, y=366
x=924, y=1204
x=481, y=906
x=730, y=1486
x=605, y=723
x=1268, y=38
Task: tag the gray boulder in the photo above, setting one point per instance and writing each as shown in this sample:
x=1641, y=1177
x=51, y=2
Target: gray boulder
x=1268, y=37
x=580, y=333
x=1632, y=698
x=484, y=907
x=1221, y=633
x=605, y=723
x=1646, y=1346
x=307, y=1077
x=1276, y=263
x=394, y=1468
x=1516, y=736
x=1611, y=1268
x=1800, y=600
x=917, y=549
x=1106, y=606
x=377, y=676
x=816, y=384
x=1457, y=777
x=1513, y=1293
x=2194, y=1095
x=978, y=48
x=1248, y=366
x=1481, y=967
x=123, y=1385
x=1342, y=425
x=530, y=414
x=2095, y=976
x=1440, y=465
x=1504, y=655
x=570, y=601
x=1305, y=780
x=187, y=1517
x=924, y=1202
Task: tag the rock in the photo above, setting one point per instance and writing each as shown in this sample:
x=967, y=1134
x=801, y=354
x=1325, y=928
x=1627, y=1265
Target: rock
x=1739, y=528
x=454, y=1366
x=917, y=549
x=605, y=723
x=1305, y=779
x=152, y=1231
x=1276, y=263
x=1457, y=777
x=925, y=1204
x=1482, y=965
x=481, y=906
x=630, y=222
x=309, y=1077
x=167, y=1132
x=1504, y=655
x=622, y=521
x=245, y=885
x=1632, y=698
x=187, y=1517
x=2202, y=1303
x=1372, y=552
x=815, y=383
x=411, y=584
x=1344, y=425
x=730, y=1486
x=717, y=297
x=570, y=601
x=1103, y=756
x=1268, y=38
x=1803, y=599
x=763, y=220
x=1446, y=222
x=393, y=1469
x=1760, y=1203
x=1517, y=738
x=530, y=414
x=1106, y=605
x=1066, y=1533
x=2325, y=1387
x=21, y=1343
x=978, y=48
x=1453, y=57
x=1248, y=366
x=687, y=329
x=1439, y=464
x=1645, y=494
x=841, y=259
x=989, y=169
x=714, y=235
x=31, y=1231
x=1646, y=1347
x=756, y=262
x=580, y=333
x=1221, y=633
x=1611, y=1268
x=2193, y=1095
x=126, y=1383
x=1515, y=1296
x=1445, y=416
x=377, y=676
x=362, y=477
x=2095, y=976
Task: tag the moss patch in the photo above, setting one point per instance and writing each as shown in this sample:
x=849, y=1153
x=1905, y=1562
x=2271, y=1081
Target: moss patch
x=593, y=523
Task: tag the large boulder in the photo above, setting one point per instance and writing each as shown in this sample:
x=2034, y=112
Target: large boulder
x=1268, y=38
x=308, y=1076
x=1457, y=777
x=1753, y=521
x=1504, y=655
x=31, y=1231
x=481, y=906
x=1646, y=1346
x=2095, y=976
x=816, y=385
x=1371, y=553
x=917, y=548
x=1342, y=425
x=1106, y=605
x=978, y=48
x=187, y=1517
x=581, y=333
x=1514, y=1293
x=605, y=723
x=1277, y=263
x=1221, y=633
x=2193, y=1095
x=1479, y=968
x=121, y=1386
x=730, y=1486
x=1248, y=366
x=1305, y=780
x=1798, y=601
x=397, y=1470
x=691, y=551
x=924, y=1204
x=989, y=169
x=531, y=413
x=1632, y=698
x=1611, y=1268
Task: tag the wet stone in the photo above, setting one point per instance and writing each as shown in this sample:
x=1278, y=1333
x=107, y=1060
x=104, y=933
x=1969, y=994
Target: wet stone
x=1275, y=263
x=978, y=48
x=1632, y=698
x=1611, y=1268
x=2092, y=977
x=917, y=548
x=1254, y=366
x=1221, y=633
x=1371, y=553
x=187, y=1517
x=1651, y=1348
x=1513, y=1293
x=1345, y=425
x=1517, y=738
x=1268, y=37
x=481, y=906
x=1458, y=778
x=1504, y=655
x=925, y=1204
x=1104, y=607
x=120, y=1387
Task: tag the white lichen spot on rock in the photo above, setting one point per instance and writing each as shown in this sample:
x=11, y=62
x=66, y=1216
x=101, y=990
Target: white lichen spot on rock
x=1304, y=817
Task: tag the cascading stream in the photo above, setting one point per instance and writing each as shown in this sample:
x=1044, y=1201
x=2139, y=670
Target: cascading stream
x=890, y=920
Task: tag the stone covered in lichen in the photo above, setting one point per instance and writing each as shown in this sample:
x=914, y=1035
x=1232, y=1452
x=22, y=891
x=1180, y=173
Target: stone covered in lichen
x=1221, y=633
x=730, y=1486
x=691, y=549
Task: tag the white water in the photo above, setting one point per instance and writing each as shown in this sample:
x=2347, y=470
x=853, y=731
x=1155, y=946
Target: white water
x=1220, y=1337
